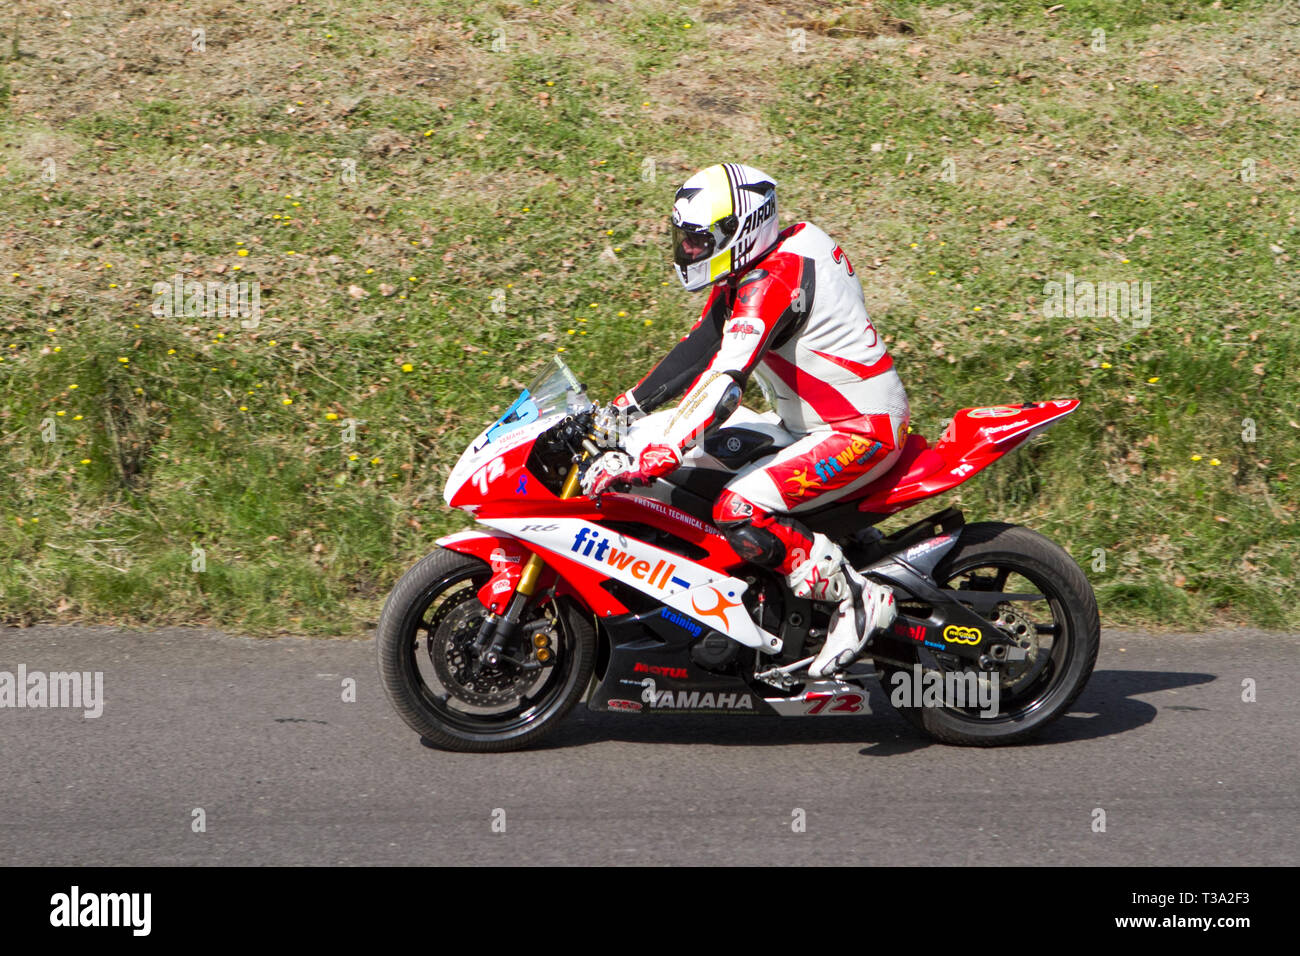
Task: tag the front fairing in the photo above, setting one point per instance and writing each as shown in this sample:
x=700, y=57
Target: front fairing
x=503, y=446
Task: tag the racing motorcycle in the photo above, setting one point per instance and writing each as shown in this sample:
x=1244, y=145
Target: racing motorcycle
x=636, y=602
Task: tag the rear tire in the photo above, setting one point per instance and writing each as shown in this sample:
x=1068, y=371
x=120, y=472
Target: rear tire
x=1076, y=630
x=404, y=637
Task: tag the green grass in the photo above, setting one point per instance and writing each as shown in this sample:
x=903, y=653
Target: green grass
x=520, y=172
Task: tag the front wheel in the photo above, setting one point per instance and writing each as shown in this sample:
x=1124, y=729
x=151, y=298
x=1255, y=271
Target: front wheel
x=432, y=676
x=1060, y=625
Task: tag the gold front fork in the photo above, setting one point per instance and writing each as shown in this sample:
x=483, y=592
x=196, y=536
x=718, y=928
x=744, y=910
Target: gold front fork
x=533, y=567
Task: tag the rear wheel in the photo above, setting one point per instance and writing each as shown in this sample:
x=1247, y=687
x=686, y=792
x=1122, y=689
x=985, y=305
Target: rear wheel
x=1060, y=629
x=435, y=682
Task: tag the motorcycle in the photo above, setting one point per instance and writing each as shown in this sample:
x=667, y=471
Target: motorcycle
x=637, y=602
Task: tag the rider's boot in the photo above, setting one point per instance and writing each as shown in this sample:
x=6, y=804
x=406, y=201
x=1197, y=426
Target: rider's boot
x=864, y=606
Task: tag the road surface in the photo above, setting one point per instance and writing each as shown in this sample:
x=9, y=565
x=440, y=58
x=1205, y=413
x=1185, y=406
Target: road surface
x=254, y=740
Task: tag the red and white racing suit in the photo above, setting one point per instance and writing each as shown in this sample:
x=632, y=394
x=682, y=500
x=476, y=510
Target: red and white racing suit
x=796, y=318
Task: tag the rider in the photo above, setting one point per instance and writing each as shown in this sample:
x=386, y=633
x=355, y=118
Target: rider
x=786, y=305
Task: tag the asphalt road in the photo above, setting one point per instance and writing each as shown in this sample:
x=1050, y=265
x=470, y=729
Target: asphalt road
x=256, y=735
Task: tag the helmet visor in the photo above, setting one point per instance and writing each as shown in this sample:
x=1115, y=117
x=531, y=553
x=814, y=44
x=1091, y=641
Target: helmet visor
x=694, y=243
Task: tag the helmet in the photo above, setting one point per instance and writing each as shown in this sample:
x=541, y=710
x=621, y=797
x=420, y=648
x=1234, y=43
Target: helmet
x=724, y=219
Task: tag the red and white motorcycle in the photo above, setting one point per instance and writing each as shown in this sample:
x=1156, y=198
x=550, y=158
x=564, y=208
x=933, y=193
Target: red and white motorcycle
x=638, y=603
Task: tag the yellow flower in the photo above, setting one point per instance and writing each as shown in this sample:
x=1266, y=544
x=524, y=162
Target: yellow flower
x=236, y=268
x=648, y=322
x=408, y=367
x=550, y=82
x=124, y=360
x=112, y=285
x=933, y=273
x=77, y=418
x=376, y=461
x=622, y=315
x=60, y=413
x=272, y=342
x=572, y=331
x=58, y=348
x=1153, y=379
x=1215, y=461
x=913, y=246
x=289, y=253
x=171, y=351
x=370, y=271
x=331, y=416
x=1105, y=365
x=241, y=252
x=85, y=461
x=243, y=408
x=353, y=457
x=1196, y=458
x=1123, y=260
x=411, y=278
x=286, y=401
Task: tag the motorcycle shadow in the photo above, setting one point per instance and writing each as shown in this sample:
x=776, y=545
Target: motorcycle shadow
x=1107, y=706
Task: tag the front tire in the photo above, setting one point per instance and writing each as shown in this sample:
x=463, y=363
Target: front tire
x=1045, y=686
x=431, y=613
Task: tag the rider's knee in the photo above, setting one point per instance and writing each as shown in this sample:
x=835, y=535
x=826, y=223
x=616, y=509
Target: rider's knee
x=735, y=516
x=756, y=545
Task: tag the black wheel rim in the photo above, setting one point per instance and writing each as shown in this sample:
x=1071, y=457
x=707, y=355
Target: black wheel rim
x=1024, y=687
x=433, y=618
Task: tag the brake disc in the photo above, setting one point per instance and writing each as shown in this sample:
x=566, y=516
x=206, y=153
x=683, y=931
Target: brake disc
x=449, y=646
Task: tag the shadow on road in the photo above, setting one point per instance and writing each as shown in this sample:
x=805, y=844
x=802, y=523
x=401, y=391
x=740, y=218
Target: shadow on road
x=1106, y=706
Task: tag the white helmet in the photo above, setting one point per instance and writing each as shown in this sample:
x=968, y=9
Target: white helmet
x=724, y=218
